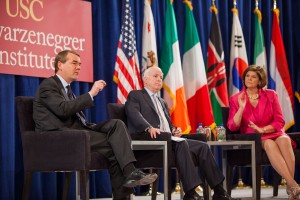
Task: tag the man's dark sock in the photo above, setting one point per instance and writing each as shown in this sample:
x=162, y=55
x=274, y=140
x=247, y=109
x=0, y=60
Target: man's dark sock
x=128, y=169
x=218, y=189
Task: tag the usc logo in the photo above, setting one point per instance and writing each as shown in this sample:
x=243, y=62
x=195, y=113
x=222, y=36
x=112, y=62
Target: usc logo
x=24, y=8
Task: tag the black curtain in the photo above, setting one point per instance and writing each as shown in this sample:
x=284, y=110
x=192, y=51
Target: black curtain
x=106, y=17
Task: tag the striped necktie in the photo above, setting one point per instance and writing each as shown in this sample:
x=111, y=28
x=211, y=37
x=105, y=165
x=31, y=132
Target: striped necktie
x=80, y=114
x=164, y=124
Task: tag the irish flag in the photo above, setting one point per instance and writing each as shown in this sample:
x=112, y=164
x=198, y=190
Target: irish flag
x=216, y=70
x=194, y=76
x=170, y=64
x=279, y=73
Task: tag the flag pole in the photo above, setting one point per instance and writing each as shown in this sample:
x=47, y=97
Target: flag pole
x=274, y=4
x=276, y=12
x=213, y=7
x=241, y=184
x=262, y=181
x=213, y=3
x=234, y=8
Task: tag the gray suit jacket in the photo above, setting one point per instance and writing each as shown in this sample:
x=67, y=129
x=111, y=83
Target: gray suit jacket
x=141, y=112
x=52, y=109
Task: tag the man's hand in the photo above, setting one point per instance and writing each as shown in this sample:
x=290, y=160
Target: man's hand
x=153, y=132
x=177, y=132
x=97, y=87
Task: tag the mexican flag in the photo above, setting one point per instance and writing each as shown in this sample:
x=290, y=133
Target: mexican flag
x=259, y=43
x=194, y=76
x=170, y=64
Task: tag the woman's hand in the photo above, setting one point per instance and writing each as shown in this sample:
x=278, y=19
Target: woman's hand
x=255, y=128
x=242, y=100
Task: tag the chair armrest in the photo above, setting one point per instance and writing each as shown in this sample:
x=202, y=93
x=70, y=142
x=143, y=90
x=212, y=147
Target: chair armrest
x=146, y=136
x=296, y=137
x=200, y=137
x=56, y=150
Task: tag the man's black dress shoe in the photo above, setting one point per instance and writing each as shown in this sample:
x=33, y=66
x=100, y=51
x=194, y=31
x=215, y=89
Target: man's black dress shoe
x=194, y=196
x=137, y=177
x=222, y=197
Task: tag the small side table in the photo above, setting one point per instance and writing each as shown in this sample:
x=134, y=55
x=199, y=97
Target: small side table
x=236, y=145
x=155, y=145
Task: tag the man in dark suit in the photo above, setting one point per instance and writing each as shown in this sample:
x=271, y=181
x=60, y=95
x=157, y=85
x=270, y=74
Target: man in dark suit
x=55, y=107
x=148, y=114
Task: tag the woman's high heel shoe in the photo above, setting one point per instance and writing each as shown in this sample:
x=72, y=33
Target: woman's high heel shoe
x=288, y=189
x=293, y=192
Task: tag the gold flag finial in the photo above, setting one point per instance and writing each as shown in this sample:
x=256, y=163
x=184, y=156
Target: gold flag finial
x=276, y=10
x=234, y=8
x=213, y=7
x=257, y=11
x=188, y=3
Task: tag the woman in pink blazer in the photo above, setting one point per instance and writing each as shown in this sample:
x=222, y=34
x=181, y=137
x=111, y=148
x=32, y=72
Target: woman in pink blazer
x=257, y=110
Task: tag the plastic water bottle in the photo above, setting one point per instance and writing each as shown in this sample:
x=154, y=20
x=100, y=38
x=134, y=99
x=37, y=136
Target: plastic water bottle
x=200, y=129
x=221, y=133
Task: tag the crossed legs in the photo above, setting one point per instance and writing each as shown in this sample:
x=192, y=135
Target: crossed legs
x=282, y=158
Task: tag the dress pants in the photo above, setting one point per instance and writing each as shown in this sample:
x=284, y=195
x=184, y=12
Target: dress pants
x=194, y=158
x=112, y=140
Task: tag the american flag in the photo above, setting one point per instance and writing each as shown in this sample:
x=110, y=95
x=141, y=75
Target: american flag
x=127, y=70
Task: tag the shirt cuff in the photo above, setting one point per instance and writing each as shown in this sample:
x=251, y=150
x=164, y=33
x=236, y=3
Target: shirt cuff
x=91, y=97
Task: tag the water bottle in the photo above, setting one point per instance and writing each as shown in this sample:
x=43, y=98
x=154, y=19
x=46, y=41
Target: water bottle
x=221, y=133
x=200, y=129
x=207, y=131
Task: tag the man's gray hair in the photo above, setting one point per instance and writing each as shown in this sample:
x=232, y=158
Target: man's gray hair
x=147, y=71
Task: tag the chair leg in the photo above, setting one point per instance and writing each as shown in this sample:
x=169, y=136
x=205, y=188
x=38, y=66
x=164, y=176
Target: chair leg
x=170, y=184
x=155, y=185
x=84, y=181
x=26, y=185
x=258, y=179
x=229, y=178
x=67, y=183
x=276, y=182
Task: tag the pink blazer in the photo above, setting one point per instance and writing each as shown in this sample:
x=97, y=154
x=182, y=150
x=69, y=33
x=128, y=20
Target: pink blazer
x=267, y=112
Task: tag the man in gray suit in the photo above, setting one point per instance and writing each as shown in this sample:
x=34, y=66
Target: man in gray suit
x=55, y=107
x=147, y=114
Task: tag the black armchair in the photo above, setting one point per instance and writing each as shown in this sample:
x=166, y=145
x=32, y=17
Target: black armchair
x=152, y=159
x=55, y=151
x=243, y=157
